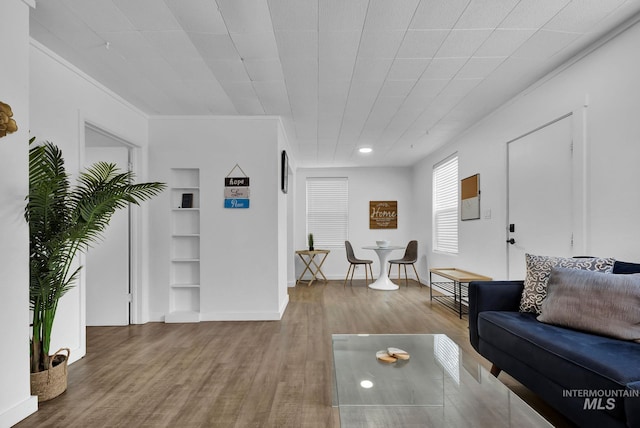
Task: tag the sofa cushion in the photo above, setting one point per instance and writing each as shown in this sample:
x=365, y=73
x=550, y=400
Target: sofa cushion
x=573, y=359
x=539, y=269
x=594, y=302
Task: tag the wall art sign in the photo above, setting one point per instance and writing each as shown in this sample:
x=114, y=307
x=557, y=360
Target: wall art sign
x=383, y=214
x=236, y=190
x=470, y=198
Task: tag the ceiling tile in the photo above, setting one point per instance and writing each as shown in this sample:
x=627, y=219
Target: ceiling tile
x=246, y=16
x=236, y=89
x=57, y=16
x=438, y=14
x=297, y=44
x=443, y=68
x=273, y=97
x=230, y=70
x=148, y=14
x=479, y=68
x=485, y=13
x=264, y=69
x=407, y=68
x=396, y=88
x=200, y=16
x=256, y=45
x=172, y=44
x=100, y=15
x=211, y=94
x=340, y=15
x=532, y=14
x=294, y=15
x=191, y=68
x=380, y=44
x=582, y=16
x=544, y=44
x=503, y=42
x=214, y=46
x=462, y=43
x=130, y=44
x=338, y=44
x=248, y=106
x=422, y=43
x=374, y=69
x=387, y=15
x=336, y=70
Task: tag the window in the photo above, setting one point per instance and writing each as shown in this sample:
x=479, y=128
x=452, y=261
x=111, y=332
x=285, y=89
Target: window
x=445, y=205
x=328, y=211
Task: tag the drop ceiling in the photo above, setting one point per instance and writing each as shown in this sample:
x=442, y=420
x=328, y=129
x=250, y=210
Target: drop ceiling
x=401, y=76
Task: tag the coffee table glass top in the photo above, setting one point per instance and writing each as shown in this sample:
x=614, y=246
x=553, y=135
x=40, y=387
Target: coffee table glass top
x=438, y=386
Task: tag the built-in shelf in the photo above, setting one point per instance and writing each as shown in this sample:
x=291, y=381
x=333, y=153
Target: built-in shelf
x=184, y=281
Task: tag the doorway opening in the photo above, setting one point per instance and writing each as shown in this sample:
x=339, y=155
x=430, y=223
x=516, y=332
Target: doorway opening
x=109, y=277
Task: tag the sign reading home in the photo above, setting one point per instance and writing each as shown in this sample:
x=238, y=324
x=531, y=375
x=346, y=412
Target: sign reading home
x=236, y=192
x=383, y=214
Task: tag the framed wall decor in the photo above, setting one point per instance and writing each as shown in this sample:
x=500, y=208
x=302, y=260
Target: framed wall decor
x=284, y=172
x=470, y=198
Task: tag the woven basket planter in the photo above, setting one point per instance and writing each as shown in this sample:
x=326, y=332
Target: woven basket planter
x=50, y=383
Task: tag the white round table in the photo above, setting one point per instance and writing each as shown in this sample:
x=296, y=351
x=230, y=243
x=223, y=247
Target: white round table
x=383, y=282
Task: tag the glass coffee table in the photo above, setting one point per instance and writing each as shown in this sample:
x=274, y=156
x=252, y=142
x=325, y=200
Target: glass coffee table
x=439, y=386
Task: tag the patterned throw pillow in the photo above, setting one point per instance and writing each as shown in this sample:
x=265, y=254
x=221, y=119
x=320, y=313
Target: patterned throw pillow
x=539, y=269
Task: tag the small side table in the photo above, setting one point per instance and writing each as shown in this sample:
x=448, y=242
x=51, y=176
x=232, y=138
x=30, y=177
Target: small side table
x=457, y=278
x=308, y=258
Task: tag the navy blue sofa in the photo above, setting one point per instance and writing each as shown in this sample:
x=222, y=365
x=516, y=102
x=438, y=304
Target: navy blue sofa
x=593, y=380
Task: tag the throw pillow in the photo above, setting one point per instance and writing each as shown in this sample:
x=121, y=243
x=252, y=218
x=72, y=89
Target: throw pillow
x=604, y=304
x=539, y=269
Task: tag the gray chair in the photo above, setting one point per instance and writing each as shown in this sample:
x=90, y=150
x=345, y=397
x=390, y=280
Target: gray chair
x=410, y=258
x=353, y=261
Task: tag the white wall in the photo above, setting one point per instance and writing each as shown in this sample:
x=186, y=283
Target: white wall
x=61, y=99
x=15, y=399
x=365, y=184
x=606, y=81
x=243, y=271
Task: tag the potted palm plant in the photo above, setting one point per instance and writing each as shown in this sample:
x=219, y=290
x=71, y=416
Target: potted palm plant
x=63, y=221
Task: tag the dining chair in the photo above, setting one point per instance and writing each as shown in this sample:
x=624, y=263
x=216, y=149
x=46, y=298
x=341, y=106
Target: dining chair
x=410, y=258
x=353, y=262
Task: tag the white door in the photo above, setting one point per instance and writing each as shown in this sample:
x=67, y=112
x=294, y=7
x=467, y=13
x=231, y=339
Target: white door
x=107, y=262
x=540, y=219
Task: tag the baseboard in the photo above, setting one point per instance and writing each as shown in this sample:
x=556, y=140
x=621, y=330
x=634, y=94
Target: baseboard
x=17, y=413
x=246, y=316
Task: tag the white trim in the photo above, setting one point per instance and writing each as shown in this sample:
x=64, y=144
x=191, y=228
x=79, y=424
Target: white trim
x=30, y=3
x=136, y=314
x=19, y=412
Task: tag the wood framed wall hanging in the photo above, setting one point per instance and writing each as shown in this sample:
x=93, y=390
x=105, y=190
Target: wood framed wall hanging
x=383, y=214
x=470, y=198
x=284, y=172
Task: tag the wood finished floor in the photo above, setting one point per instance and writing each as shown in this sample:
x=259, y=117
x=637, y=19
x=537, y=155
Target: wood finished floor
x=242, y=374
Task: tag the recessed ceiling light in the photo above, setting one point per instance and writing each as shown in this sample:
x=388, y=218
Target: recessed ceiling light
x=366, y=384
x=365, y=150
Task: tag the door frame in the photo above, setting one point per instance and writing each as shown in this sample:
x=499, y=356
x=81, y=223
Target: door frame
x=580, y=184
x=135, y=226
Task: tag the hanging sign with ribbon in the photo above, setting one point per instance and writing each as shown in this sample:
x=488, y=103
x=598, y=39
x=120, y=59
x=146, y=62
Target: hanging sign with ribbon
x=236, y=189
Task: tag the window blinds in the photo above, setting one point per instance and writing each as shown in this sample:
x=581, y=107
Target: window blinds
x=328, y=211
x=445, y=205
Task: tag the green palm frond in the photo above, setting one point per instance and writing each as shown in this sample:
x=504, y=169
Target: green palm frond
x=63, y=221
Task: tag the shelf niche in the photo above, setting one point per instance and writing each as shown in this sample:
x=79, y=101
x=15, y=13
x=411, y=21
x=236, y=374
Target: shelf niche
x=184, y=277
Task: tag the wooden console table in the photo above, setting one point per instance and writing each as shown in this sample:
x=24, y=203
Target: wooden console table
x=308, y=258
x=454, y=286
